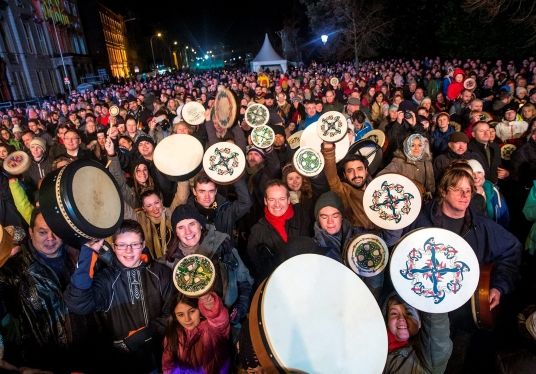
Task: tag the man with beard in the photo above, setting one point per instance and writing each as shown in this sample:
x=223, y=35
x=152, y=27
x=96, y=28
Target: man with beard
x=350, y=187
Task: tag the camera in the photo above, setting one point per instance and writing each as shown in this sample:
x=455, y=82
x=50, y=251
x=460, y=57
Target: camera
x=408, y=114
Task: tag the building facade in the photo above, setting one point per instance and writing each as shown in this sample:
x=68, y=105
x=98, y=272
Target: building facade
x=42, y=48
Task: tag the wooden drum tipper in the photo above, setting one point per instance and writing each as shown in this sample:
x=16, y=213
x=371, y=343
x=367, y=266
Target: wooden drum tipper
x=81, y=202
x=434, y=270
x=482, y=316
x=301, y=321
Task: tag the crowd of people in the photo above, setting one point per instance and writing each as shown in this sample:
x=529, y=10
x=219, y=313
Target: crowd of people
x=464, y=131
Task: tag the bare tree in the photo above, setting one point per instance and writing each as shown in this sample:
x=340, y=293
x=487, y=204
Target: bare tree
x=356, y=27
x=519, y=11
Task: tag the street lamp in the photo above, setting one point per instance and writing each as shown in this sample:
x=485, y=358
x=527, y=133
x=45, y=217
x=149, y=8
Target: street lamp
x=324, y=38
x=159, y=35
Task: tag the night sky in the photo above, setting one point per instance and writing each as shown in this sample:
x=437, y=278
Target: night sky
x=236, y=23
x=418, y=27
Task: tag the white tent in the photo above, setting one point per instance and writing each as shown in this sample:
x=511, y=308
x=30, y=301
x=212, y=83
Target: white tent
x=268, y=58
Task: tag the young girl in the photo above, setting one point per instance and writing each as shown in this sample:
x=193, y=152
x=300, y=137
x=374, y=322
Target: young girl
x=197, y=337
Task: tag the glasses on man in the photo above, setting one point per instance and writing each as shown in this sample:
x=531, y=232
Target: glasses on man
x=123, y=246
x=461, y=191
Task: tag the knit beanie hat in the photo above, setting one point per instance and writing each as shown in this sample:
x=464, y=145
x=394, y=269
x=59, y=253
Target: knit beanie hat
x=186, y=212
x=328, y=199
x=144, y=138
x=252, y=148
x=40, y=142
x=476, y=166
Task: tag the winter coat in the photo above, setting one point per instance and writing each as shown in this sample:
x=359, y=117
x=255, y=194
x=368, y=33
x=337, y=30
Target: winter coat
x=267, y=250
x=36, y=172
x=489, y=240
x=496, y=207
x=233, y=284
x=226, y=213
x=351, y=197
x=429, y=350
x=213, y=335
x=442, y=161
x=440, y=140
x=524, y=164
x=420, y=171
x=39, y=331
x=134, y=303
x=333, y=246
x=490, y=168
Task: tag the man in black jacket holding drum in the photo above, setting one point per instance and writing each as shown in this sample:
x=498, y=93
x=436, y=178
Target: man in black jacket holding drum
x=40, y=331
x=491, y=243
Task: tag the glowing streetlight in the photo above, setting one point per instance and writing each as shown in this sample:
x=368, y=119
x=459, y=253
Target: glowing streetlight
x=324, y=38
x=159, y=35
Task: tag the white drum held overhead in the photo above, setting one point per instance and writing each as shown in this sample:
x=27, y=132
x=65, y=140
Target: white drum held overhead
x=310, y=139
x=224, y=162
x=256, y=115
x=179, y=156
x=308, y=162
x=313, y=315
x=332, y=126
x=434, y=270
x=262, y=136
x=392, y=201
x=193, y=113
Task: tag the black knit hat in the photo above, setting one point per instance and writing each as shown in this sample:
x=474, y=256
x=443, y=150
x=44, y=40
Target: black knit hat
x=328, y=199
x=144, y=138
x=186, y=212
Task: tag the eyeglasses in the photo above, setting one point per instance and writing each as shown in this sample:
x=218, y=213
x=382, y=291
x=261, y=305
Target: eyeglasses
x=69, y=139
x=460, y=192
x=123, y=246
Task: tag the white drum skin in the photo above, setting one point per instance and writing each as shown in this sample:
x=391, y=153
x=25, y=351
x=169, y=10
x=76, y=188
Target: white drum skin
x=317, y=324
x=434, y=270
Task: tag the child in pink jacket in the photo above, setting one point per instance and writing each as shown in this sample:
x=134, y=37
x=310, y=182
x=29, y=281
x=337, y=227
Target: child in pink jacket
x=197, y=337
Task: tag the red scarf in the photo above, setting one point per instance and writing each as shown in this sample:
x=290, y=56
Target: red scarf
x=394, y=344
x=279, y=222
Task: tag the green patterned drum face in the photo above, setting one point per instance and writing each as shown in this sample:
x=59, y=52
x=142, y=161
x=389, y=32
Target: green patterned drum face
x=256, y=115
x=367, y=255
x=194, y=275
x=507, y=150
x=224, y=162
x=262, y=136
x=308, y=162
x=392, y=201
x=332, y=126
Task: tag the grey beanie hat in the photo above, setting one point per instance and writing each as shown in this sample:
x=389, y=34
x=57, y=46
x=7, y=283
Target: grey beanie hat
x=328, y=199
